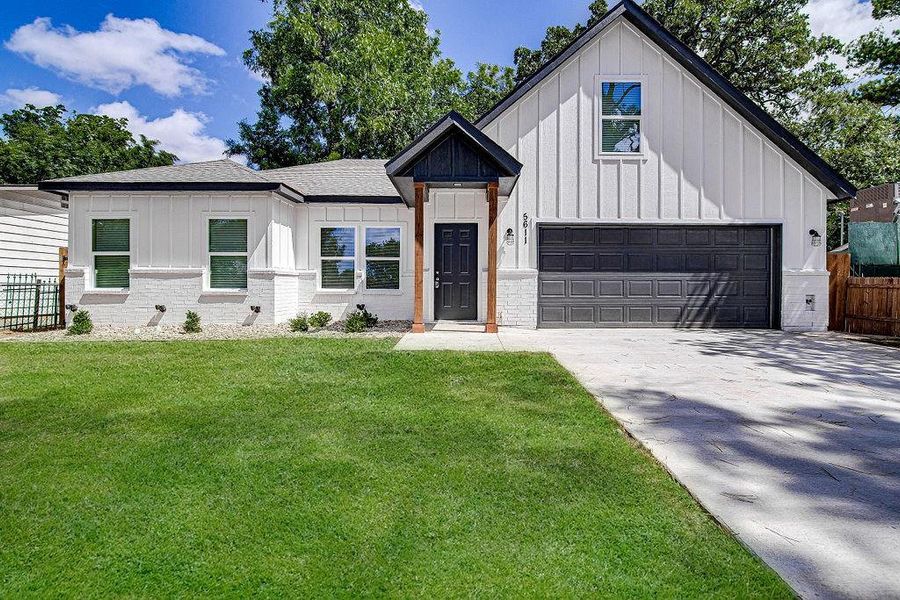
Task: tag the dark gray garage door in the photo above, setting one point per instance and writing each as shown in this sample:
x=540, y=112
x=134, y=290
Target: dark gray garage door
x=691, y=276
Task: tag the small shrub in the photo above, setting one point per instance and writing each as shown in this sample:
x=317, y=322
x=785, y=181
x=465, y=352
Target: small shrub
x=81, y=323
x=355, y=322
x=192, y=322
x=299, y=323
x=371, y=320
x=320, y=319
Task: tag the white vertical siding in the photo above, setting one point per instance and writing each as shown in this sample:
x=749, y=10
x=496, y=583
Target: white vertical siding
x=701, y=161
x=32, y=229
x=169, y=231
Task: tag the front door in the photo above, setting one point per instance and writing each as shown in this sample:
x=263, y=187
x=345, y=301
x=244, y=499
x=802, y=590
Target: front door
x=456, y=271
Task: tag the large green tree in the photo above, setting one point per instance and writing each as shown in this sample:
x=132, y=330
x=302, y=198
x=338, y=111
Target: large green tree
x=44, y=143
x=345, y=78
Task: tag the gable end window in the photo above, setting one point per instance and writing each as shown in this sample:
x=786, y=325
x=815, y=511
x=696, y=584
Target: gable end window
x=228, y=254
x=111, y=247
x=620, y=117
x=382, y=258
x=337, y=251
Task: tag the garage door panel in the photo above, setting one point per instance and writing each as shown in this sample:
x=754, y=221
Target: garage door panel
x=641, y=288
x=580, y=288
x=611, y=288
x=661, y=276
x=667, y=288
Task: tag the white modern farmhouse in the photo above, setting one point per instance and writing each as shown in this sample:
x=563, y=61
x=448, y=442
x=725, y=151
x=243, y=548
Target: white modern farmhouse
x=625, y=184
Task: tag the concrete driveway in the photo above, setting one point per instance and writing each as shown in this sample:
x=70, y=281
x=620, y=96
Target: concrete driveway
x=791, y=440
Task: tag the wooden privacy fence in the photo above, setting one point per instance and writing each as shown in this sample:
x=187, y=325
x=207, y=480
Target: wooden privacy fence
x=861, y=304
x=873, y=305
x=839, y=269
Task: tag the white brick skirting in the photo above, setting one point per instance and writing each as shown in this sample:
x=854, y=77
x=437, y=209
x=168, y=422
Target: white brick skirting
x=517, y=297
x=795, y=312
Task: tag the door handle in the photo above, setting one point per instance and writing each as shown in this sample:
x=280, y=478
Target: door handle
x=437, y=280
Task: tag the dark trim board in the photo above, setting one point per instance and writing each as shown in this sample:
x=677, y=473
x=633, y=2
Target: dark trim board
x=659, y=275
x=634, y=14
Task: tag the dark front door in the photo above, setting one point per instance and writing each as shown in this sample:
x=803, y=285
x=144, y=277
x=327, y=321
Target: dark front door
x=456, y=271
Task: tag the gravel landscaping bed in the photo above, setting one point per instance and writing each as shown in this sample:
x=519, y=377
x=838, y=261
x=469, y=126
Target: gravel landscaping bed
x=210, y=332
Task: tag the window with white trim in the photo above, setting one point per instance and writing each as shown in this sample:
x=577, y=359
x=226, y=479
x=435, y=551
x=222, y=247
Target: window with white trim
x=337, y=253
x=620, y=117
x=382, y=258
x=228, y=254
x=111, y=247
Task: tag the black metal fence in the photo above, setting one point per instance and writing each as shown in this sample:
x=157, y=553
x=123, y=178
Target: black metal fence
x=29, y=303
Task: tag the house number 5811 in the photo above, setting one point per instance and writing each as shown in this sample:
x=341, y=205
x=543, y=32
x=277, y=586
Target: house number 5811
x=525, y=228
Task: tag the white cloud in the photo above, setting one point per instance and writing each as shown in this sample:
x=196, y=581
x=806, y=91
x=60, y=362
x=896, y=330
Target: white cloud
x=844, y=19
x=181, y=133
x=121, y=54
x=31, y=95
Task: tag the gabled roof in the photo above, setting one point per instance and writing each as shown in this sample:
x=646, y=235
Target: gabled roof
x=700, y=69
x=344, y=180
x=452, y=123
x=213, y=175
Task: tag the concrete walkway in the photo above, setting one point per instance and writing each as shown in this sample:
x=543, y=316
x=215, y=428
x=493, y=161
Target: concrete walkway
x=792, y=441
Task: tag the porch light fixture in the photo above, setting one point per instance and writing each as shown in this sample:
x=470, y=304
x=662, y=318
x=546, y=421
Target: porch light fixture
x=160, y=308
x=255, y=309
x=816, y=237
x=510, y=237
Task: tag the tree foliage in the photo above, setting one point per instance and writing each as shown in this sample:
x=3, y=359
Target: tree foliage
x=878, y=54
x=45, y=143
x=345, y=79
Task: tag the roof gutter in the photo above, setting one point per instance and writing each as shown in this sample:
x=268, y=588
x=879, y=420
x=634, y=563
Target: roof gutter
x=65, y=187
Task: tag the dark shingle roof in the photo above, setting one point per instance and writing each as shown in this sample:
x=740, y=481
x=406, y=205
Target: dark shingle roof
x=220, y=171
x=213, y=175
x=344, y=179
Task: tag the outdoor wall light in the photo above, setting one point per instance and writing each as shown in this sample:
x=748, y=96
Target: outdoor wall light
x=255, y=309
x=816, y=237
x=510, y=237
x=71, y=307
x=160, y=308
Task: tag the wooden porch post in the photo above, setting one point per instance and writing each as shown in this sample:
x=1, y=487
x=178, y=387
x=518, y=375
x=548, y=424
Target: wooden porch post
x=491, y=325
x=418, y=308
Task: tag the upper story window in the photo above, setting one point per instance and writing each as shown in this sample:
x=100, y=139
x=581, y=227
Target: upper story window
x=620, y=117
x=382, y=258
x=228, y=253
x=337, y=251
x=111, y=246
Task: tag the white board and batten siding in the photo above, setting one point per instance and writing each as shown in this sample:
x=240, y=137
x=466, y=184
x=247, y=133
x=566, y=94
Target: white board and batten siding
x=701, y=162
x=33, y=226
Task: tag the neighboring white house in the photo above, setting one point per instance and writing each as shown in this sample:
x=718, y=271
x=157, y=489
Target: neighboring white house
x=625, y=184
x=33, y=226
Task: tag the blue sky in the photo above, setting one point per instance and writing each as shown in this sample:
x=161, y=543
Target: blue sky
x=174, y=67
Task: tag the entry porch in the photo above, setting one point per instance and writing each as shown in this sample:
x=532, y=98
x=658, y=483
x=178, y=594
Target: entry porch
x=453, y=177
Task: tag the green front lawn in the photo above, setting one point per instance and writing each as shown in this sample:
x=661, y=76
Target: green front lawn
x=324, y=468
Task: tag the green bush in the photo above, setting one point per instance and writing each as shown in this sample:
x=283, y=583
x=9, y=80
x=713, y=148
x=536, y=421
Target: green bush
x=299, y=323
x=371, y=320
x=355, y=322
x=320, y=319
x=81, y=323
x=192, y=322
